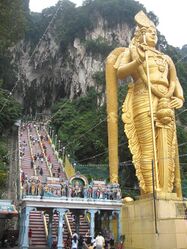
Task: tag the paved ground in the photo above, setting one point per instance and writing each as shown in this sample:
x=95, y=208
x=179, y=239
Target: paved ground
x=16, y=247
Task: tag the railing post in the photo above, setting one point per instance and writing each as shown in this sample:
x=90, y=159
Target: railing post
x=118, y=213
x=61, y=213
x=50, y=236
x=110, y=222
x=21, y=226
x=25, y=229
x=92, y=222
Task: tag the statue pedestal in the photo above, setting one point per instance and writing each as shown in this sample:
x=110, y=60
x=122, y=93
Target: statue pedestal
x=140, y=223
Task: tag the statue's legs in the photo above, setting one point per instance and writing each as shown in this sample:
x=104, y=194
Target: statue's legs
x=143, y=128
x=136, y=116
x=166, y=143
x=165, y=140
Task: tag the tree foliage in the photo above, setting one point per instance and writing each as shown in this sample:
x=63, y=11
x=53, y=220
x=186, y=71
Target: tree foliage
x=72, y=23
x=98, y=46
x=12, y=22
x=81, y=125
x=3, y=166
x=37, y=24
x=115, y=11
x=10, y=110
x=12, y=28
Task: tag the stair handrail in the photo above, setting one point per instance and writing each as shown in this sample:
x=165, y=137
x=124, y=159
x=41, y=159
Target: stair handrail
x=48, y=136
x=68, y=225
x=45, y=225
x=45, y=158
x=55, y=151
x=87, y=217
x=65, y=165
x=34, y=166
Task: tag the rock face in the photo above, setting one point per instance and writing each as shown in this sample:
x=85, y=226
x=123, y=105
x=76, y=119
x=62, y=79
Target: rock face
x=47, y=74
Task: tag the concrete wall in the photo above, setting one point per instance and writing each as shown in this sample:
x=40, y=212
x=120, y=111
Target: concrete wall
x=139, y=226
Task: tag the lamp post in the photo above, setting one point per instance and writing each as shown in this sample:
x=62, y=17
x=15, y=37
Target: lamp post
x=49, y=130
x=52, y=135
x=63, y=154
x=58, y=148
x=55, y=142
x=74, y=165
x=68, y=155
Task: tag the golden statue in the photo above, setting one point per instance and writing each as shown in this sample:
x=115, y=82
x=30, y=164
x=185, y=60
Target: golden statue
x=148, y=110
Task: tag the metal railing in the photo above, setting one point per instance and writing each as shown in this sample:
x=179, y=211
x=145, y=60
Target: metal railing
x=68, y=225
x=45, y=225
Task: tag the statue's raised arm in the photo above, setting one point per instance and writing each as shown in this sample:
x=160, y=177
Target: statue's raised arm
x=148, y=110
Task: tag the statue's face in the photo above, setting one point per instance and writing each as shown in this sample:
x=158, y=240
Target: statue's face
x=151, y=37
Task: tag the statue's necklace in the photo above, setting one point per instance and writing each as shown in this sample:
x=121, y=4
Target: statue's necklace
x=161, y=62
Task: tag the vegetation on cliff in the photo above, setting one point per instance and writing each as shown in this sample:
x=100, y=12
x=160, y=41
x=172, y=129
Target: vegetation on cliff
x=12, y=28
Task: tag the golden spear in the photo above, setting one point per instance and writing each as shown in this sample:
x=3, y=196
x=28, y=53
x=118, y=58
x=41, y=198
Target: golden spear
x=152, y=115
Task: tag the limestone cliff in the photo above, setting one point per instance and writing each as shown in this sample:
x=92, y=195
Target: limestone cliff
x=47, y=73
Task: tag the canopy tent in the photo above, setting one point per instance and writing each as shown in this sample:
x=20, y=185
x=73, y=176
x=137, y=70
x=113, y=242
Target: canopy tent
x=7, y=209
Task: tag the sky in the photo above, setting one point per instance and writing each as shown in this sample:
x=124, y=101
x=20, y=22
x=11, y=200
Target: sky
x=172, y=16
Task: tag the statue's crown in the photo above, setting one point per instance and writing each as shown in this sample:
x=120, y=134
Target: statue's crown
x=142, y=20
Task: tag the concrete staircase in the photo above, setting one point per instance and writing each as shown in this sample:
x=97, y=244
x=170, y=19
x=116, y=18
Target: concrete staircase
x=38, y=231
x=84, y=226
x=26, y=159
x=39, y=239
x=30, y=149
x=66, y=233
x=37, y=148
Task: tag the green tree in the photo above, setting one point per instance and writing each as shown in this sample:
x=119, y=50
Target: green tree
x=12, y=22
x=12, y=28
x=10, y=111
x=99, y=46
x=3, y=166
x=81, y=125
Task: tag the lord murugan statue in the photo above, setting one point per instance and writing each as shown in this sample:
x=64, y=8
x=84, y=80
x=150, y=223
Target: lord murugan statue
x=148, y=110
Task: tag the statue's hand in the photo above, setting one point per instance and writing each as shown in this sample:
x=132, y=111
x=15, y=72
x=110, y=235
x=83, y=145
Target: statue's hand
x=141, y=49
x=143, y=46
x=176, y=102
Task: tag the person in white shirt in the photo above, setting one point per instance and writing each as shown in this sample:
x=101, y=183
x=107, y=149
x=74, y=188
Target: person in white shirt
x=99, y=241
x=74, y=242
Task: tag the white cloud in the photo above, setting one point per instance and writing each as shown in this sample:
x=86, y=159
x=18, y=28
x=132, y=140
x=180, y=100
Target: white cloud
x=39, y=5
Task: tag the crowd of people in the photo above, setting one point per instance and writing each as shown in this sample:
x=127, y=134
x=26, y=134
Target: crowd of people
x=103, y=240
x=41, y=159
